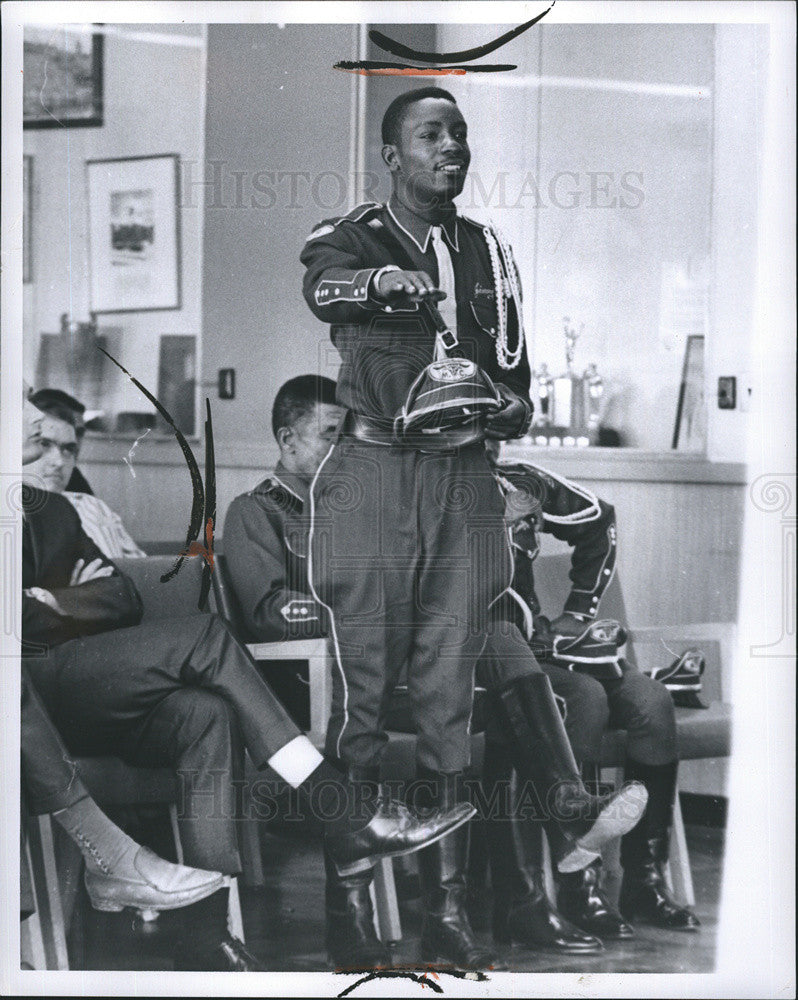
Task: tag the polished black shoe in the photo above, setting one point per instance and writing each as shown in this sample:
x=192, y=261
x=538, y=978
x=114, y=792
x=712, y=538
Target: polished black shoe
x=645, y=898
x=522, y=912
x=393, y=830
x=229, y=955
x=447, y=941
x=644, y=854
x=447, y=938
x=582, y=901
x=536, y=923
x=352, y=942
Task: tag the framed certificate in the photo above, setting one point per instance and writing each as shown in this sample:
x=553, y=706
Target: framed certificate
x=134, y=234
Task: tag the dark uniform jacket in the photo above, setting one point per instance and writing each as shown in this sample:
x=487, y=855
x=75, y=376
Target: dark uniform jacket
x=572, y=514
x=383, y=348
x=266, y=540
x=52, y=543
x=265, y=547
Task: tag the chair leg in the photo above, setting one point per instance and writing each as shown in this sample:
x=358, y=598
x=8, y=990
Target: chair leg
x=251, y=859
x=48, y=896
x=31, y=943
x=235, y=920
x=548, y=870
x=31, y=940
x=678, y=873
x=386, y=907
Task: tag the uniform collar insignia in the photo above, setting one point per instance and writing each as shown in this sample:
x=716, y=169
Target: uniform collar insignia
x=291, y=482
x=418, y=229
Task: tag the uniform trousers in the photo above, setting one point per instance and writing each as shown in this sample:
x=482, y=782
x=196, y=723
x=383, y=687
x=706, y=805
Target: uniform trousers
x=407, y=551
x=634, y=702
x=180, y=693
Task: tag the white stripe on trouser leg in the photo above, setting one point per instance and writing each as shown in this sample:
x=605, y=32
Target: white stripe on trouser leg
x=326, y=607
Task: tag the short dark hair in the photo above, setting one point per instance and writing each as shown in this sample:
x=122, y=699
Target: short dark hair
x=42, y=396
x=397, y=110
x=298, y=396
x=53, y=408
x=59, y=404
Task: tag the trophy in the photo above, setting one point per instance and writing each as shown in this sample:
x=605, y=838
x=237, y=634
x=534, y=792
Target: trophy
x=569, y=406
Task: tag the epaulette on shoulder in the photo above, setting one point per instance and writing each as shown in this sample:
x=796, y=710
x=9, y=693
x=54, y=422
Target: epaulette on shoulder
x=268, y=487
x=472, y=222
x=278, y=495
x=362, y=213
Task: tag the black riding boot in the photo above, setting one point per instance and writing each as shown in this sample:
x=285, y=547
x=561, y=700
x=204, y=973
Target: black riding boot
x=352, y=942
x=542, y=753
x=522, y=912
x=583, y=901
x=447, y=937
x=644, y=853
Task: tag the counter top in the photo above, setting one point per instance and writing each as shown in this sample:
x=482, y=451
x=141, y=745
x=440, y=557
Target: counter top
x=607, y=464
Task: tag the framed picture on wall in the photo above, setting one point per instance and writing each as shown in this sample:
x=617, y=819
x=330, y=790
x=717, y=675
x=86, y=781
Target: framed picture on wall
x=27, y=219
x=134, y=234
x=690, y=432
x=62, y=76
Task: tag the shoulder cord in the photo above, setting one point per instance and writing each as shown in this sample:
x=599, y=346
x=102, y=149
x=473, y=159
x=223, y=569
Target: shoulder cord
x=499, y=252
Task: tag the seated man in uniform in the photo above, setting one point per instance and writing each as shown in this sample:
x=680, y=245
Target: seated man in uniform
x=266, y=546
x=585, y=668
x=180, y=693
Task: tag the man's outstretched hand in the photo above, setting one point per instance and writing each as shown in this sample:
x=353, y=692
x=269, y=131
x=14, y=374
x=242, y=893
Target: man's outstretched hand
x=414, y=286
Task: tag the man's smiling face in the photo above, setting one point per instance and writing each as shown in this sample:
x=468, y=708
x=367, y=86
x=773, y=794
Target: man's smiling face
x=432, y=157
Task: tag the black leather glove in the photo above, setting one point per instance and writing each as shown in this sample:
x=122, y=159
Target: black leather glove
x=513, y=419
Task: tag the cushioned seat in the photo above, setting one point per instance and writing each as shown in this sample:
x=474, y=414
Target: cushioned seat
x=703, y=733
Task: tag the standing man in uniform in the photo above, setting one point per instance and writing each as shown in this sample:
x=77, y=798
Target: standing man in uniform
x=266, y=545
x=408, y=547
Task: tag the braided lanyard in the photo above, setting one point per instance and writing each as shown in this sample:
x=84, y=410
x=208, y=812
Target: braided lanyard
x=500, y=254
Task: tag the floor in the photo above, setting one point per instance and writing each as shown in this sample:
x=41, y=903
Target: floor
x=284, y=923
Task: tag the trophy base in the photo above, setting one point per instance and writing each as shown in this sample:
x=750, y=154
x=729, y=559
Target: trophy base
x=562, y=437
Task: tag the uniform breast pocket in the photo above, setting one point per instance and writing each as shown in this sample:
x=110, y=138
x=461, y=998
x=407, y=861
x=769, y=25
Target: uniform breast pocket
x=484, y=312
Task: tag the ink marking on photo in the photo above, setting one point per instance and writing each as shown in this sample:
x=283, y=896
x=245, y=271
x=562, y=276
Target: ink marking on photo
x=203, y=506
x=372, y=68
x=415, y=975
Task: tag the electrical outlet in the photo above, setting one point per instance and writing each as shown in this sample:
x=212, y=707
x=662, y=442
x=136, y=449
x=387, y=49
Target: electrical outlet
x=727, y=392
x=227, y=383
